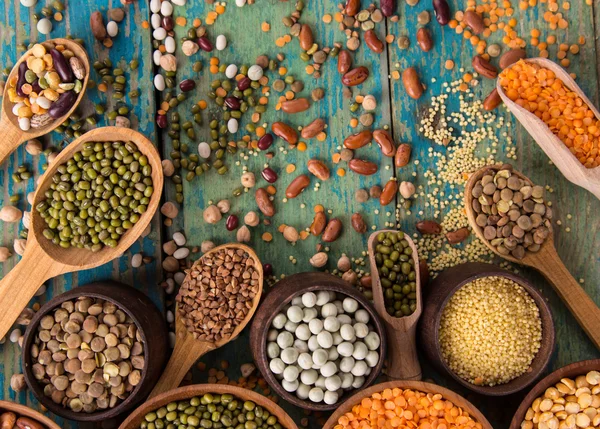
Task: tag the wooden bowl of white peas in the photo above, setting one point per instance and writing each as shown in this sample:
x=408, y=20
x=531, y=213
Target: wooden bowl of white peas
x=316, y=339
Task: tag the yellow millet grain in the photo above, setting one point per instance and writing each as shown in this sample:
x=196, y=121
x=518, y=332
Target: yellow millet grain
x=490, y=331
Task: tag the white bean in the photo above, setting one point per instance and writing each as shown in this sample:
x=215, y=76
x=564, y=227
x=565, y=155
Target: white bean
x=136, y=260
x=44, y=26
x=361, y=330
x=344, y=319
x=345, y=349
x=166, y=8
x=15, y=335
x=30, y=3
x=309, y=377
x=291, y=373
x=273, y=350
x=179, y=239
x=302, y=391
x=301, y=346
x=16, y=107
x=315, y=326
x=156, y=55
x=285, y=340
x=112, y=28
x=313, y=343
x=340, y=307
x=155, y=6
x=232, y=125
x=305, y=361
x=330, y=397
x=303, y=332
x=328, y=310
x=279, y=321
x=272, y=335
x=255, y=72
x=231, y=71
x=277, y=366
x=347, y=363
x=240, y=3
x=322, y=297
x=43, y=102
x=155, y=21
x=360, y=351
x=350, y=305
x=159, y=34
x=309, y=314
x=290, y=326
x=362, y=316
x=372, y=341
x=332, y=354
x=295, y=314
x=360, y=368
x=347, y=380
x=347, y=333
x=325, y=339
x=221, y=42
x=316, y=394
x=290, y=386
x=179, y=2
x=181, y=253
x=333, y=383
x=309, y=299
x=297, y=300
x=24, y=124
x=372, y=358
x=289, y=355
x=358, y=382
x=329, y=369
x=337, y=338
x=170, y=44
x=331, y=324
x=319, y=357
x=159, y=82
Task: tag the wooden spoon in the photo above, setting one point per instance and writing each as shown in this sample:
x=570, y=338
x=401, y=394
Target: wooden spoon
x=188, y=349
x=402, y=360
x=43, y=259
x=13, y=135
x=547, y=262
x=561, y=156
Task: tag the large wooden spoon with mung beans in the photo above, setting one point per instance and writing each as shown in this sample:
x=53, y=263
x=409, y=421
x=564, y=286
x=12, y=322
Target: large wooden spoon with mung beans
x=43, y=259
x=557, y=151
x=12, y=134
x=402, y=360
x=547, y=262
x=189, y=349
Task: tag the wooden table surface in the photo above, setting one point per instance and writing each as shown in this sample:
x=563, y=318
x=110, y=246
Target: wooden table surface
x=577, y=239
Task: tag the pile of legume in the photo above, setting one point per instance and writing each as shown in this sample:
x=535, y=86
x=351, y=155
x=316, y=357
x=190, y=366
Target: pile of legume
x=97, y=195
x=490, y=331
x=539, y=91
x=211, y=411
x=10, y=420
x=396, y=268
x=570, y=403
x=406, y=408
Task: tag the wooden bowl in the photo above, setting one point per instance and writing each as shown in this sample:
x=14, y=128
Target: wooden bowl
x=569, y=371
x=23, y=411
x=443, y=288
x=187, y=392
x=280, y=295
x=152, y=328
x=413, y=385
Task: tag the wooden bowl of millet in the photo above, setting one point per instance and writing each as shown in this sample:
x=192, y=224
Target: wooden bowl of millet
x=152, y=331
x=281, y=295
x=441, y=290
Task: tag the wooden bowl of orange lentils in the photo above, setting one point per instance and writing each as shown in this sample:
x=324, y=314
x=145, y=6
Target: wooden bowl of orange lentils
x=406, y=404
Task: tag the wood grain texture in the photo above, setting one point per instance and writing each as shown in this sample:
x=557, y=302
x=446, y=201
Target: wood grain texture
x=22, y=410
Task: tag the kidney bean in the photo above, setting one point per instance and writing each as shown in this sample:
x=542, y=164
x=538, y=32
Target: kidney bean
x=205, y=44
x=474, y=21
x=265, y=205
x=318, y=224
x=424, y=39
x=358, y=223
x=428, y=227
x=387, y=7
x=297, y=185
x=358, y=140
x=161, y=121
x=27, y=423
x=187, y=85
x=267, y=269
x=492, y=101
x=356, y=76
x=373, y=41
x=35, y=86
x=313, y=129
x=511, y=57
x=318, y=169
x=344, y=61
x=61, y=66
x=442, y=11
x=412, y=83
x=286, y=132
x=97, y=26
x=269, y=175
x=360, y=166
x=484, y=67
x=244, y=83
x=62, y=105
x=233, y=103
x=458, y=236
x=385, y=142
x=232, y=222
x=265, y=141
x=402, y=155
x=332, y=230
x=167, y=23
x=389, y=192
x=306, y=37
x=296, y=105
x=21, y=79
x=352, y=7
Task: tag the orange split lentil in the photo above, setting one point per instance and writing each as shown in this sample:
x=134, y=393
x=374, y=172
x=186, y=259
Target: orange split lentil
x=539, y=91
x=397, y=408
x=265, y=26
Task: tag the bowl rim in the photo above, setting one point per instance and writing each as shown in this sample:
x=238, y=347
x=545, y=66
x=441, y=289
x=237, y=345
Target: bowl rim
x=555, y=376
x=187, y=392
x=480, y=270
x=310, y=281
x=89, y=290
x=27, y=411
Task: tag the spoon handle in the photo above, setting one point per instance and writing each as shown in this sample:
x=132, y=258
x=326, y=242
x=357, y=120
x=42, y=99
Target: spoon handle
x=12, y=137
x=402, y=361
x=578, y=302
x=22, y=282
x=185, y=354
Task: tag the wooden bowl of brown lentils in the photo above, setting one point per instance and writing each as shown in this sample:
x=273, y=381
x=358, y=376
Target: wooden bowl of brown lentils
x=95, y=352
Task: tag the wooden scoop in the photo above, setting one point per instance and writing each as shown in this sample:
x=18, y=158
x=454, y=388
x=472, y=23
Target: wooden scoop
x=188, y=349
x=43, y=259
x=13, y=135
x=561, y=156
x=402, y=360
x=547, y=262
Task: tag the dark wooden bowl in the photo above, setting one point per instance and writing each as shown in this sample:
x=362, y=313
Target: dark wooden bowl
x=152, y=328
x=412, y=385
x=23, y=411
x=441, y=290
x=187, y=392
x=570, y=371
x=280, y=295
